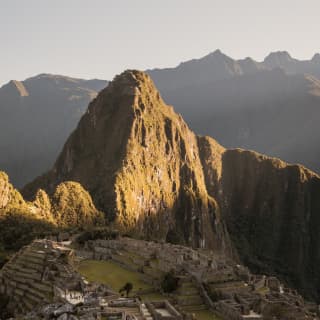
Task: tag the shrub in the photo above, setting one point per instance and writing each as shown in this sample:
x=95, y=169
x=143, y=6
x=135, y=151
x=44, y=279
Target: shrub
x=127, y=288
x=95, y=234
x=169, y=282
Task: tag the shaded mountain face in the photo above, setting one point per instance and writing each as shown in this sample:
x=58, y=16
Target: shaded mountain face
x=37, y=116
x=272, y=212
x=283, y=60
x=270, y=106
x=153, y=177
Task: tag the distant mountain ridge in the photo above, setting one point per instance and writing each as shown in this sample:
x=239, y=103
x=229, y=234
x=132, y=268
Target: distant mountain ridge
x=37, y=115
x=270, y=106
x=236, y=101
x=219, y=66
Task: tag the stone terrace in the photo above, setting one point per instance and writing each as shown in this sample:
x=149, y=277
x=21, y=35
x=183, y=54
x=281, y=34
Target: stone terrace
x=37, y=275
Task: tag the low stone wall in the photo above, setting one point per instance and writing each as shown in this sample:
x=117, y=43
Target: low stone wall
x=172, y=313
x=227, y=310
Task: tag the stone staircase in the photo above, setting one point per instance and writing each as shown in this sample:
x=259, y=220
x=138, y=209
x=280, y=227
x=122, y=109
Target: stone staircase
x=188, y=296
x=22, y=280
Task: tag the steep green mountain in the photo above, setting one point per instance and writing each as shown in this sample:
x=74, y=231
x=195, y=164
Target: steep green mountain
x=154, y=178
x=140, y=163
x=272, y=212
x=270, y=106
x=37, y=116
x=21, y=221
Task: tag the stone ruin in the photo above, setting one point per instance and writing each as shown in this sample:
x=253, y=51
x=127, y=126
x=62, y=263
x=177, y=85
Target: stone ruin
x=169, y=256
x=40, y=273
x=42, y=283
x=163, y=311
x=226, y=288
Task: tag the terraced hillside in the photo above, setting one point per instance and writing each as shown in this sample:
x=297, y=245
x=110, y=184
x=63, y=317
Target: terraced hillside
x=31, y=278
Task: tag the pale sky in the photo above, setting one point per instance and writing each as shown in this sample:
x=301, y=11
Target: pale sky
x=100, y=38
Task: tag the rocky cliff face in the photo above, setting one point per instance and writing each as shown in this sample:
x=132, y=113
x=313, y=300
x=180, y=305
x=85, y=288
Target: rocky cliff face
x=271, y=210
x=153, y=177
x=272, y=213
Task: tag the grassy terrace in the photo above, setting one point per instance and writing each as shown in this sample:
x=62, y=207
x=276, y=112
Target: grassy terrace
x=206, y=315
x=115, y=276
x=112, y=274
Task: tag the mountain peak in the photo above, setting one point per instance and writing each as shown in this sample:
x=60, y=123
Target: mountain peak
x=316, y=58
x=141, y=163
x=135, y=84
x=50, y=76
x=278, y=57
x=218, y=54
x=130, y=79
x=65, y=81
x=16, y=89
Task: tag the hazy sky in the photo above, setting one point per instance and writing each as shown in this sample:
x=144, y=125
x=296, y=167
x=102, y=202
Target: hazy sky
x=99, y=38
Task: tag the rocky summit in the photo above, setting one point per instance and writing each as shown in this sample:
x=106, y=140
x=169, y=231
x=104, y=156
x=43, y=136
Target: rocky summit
x=154, y=178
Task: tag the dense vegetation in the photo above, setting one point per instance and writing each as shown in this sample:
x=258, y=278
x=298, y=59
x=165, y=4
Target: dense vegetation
x=127, y=288
x=103, y=233
x=73, y=206
x=18, y=228
x=4, y=300
x=70, y=207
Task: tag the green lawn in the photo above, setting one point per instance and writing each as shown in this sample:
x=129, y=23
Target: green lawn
x=205, y=315
x=111, y=274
